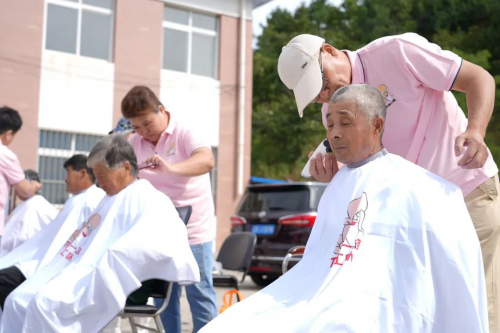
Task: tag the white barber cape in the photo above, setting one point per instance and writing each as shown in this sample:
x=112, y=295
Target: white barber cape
x=27, y=219
x=393, y=249
x=133, y=236
x=44, y=245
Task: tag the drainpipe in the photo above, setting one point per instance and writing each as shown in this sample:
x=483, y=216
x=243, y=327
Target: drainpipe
x=241, y=109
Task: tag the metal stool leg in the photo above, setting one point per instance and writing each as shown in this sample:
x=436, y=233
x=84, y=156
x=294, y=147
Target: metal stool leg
x=159, y=324
x=132, y=324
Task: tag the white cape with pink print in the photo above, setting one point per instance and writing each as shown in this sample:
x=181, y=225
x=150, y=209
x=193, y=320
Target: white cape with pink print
x=133, y=236
x=393, y=249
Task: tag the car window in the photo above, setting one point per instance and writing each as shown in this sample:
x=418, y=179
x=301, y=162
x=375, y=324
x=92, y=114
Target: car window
x=257, y=200
x=316, y=194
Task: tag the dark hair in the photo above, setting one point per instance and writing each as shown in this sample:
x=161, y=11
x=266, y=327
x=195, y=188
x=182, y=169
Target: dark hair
x=9, y=120
x=138, y=100
x=32, y=175
x=78, y=162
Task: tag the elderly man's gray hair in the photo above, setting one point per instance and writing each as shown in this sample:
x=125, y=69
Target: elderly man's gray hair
x=112, y=152
x=369, y=101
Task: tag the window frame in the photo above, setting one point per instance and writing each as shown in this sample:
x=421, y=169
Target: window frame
x=80, y=7
x=190, y=29
x=59, y=153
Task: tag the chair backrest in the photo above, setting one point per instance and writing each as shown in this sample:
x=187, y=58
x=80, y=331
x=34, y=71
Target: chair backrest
x=160, y=289
x=237, y=250
x=184, y=213
x=150, y=288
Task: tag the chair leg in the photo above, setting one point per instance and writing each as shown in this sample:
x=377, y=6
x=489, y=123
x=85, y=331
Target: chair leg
x=159, y=324
x=132, y=324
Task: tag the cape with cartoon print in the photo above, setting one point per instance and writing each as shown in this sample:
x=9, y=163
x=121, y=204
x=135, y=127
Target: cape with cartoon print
x=393, y=249
x=40, y=249
x=126, y=240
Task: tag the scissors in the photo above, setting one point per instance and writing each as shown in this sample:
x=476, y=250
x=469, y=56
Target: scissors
x=152, y=166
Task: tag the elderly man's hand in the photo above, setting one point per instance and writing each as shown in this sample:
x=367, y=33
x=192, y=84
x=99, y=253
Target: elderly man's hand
x=476, y=153
x=36, y=184
x=323, y=168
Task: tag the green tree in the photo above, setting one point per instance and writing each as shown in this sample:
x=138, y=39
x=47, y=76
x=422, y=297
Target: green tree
x=281, y=140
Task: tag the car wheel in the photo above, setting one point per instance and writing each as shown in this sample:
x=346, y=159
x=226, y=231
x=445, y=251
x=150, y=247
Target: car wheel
x=263, y=280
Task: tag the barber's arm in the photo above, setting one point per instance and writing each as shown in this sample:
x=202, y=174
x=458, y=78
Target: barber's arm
x=200, y=162
x=479, y=87
x=27, y=189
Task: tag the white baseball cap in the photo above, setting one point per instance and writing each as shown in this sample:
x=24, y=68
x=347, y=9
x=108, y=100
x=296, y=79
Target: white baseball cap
x=299, y=69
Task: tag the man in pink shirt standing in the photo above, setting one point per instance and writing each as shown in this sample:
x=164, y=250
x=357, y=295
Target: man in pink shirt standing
x=424, y=123
x=176, y=161
x=11, y=173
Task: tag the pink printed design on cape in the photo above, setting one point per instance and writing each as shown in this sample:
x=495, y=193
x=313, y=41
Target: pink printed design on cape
x=87, y=227
x=70, y=249
x=352, y=231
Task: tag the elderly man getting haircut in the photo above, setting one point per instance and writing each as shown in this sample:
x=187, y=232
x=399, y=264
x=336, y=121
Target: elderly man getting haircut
x=392, y=250
x=27, y=219
x=23, y=261
x=124, y=241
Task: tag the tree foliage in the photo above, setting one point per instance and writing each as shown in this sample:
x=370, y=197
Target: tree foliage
x=282, y=140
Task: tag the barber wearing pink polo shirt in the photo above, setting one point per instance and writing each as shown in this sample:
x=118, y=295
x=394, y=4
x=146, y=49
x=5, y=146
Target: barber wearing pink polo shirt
x=11, y=172
x=424, y=123
x=180, y=163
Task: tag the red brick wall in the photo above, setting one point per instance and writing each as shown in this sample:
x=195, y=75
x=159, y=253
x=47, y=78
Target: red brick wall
x=138, y=47
x=21, y=35
x=227, y=196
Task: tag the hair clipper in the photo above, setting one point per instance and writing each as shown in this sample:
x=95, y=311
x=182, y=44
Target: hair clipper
x=323, y=149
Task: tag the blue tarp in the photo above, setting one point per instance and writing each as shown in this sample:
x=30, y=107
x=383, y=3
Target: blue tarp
x=261, y=180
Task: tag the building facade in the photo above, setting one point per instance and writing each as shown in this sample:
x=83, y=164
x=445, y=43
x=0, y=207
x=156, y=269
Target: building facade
x=66, y=65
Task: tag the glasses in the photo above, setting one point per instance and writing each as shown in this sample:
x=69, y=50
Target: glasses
x=325, y=81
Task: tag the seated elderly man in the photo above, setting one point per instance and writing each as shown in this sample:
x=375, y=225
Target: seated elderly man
x=135, y=234
x=23, y=261
x=393, y=248
x=27, y=219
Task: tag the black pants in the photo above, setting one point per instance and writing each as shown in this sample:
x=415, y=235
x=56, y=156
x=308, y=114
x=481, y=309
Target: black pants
x=10, y=279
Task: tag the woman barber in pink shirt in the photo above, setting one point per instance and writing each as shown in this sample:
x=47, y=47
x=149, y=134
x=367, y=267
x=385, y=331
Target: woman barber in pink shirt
x=176, y=161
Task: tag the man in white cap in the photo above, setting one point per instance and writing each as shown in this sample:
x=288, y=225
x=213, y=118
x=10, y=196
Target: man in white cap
x=424, y=123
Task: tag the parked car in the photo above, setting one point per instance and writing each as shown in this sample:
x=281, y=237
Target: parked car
x=282, y=216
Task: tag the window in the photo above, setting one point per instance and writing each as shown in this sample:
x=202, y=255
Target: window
x=275, y=199
x=82, y=27
x=54, y=149
x=190, y=42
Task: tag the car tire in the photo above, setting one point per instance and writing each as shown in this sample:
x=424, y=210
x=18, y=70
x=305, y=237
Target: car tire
x=263, y=280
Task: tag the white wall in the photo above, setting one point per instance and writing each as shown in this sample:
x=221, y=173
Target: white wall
x=76, y=93
x=222, y=7
x=193, y=100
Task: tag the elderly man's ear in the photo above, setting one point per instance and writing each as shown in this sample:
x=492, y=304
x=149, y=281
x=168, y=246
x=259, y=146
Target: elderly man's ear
x=128, y=167
x=378, y=125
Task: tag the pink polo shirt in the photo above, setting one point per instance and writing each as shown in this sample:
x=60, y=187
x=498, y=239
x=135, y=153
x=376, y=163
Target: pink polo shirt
x=177, y=144
x=423, y=117
x=11, y=173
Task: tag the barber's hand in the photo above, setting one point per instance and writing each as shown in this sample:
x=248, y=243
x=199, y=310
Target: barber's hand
x=476, y=154
x=323, y=168
x=158, y=164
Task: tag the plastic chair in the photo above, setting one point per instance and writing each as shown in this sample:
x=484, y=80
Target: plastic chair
x=161, y=289
x=235, y=255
